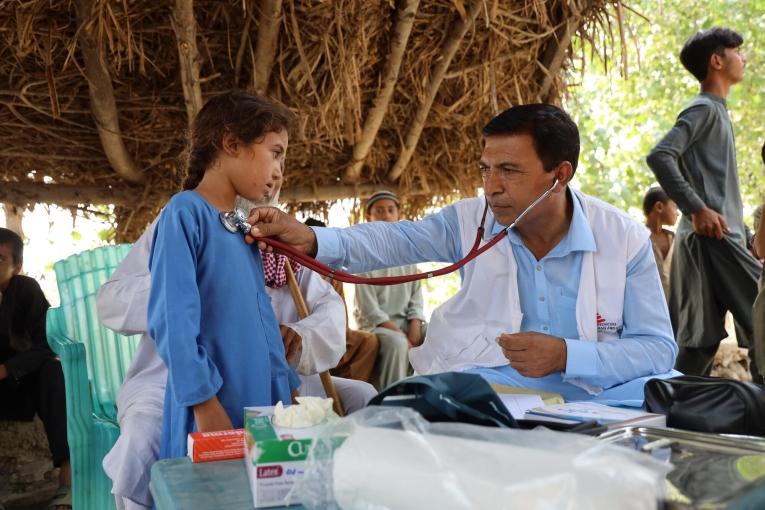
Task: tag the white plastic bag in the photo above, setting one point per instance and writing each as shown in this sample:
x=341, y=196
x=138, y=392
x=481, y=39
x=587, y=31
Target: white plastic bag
x=391, y=458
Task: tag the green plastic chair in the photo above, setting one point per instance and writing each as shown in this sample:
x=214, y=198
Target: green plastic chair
x=94, y=360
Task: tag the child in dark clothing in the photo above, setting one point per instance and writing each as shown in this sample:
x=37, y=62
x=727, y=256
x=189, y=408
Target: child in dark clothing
x=31, y=379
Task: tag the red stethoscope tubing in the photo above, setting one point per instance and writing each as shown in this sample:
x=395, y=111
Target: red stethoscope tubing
x=345, y=277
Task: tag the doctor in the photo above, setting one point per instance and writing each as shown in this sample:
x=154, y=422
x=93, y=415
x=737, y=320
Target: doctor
x=571, y=302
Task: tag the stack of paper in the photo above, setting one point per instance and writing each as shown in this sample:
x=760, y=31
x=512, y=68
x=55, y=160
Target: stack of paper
x=520, y=404
x=606, y=415
x=548, y=397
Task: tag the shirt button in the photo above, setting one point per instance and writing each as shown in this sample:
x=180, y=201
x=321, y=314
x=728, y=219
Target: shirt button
x=545, y=328
x=541, y=298
x=539, y=267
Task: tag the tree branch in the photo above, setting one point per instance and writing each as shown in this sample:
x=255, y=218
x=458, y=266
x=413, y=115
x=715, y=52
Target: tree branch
x=338, y=192
x=102, y=102
x=555, y=53
x=185, y=27
x=457, y=32
x=269, y=20
x=29, y=193
x=406, y=13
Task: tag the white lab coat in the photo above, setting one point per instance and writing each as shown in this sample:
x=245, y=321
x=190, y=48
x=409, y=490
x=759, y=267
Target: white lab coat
x=122, y=304
x=452, y=343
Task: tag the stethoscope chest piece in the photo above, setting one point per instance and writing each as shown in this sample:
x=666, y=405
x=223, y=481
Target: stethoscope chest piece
x=234, y=221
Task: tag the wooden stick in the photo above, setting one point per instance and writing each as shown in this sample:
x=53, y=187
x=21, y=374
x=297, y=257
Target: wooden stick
x=302, y=309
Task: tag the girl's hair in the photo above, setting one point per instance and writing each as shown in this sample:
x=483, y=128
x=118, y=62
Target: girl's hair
x=246, y=116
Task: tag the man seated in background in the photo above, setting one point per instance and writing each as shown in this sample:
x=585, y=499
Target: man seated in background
x=361, y=347
x=392, y=312
x=31, y=379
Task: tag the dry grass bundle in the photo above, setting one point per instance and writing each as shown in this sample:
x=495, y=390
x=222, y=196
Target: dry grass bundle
x=375, y=107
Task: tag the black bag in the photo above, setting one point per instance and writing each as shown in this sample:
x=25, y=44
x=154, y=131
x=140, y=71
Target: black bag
x=708, y=404
x=449, y=397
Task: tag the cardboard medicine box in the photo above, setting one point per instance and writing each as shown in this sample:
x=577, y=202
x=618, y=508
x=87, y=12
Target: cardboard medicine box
x=275, y=456
x=213, y=446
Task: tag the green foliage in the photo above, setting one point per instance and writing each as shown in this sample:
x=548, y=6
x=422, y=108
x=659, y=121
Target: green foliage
x=437, y=291
x=107, y=234
x=622, y=119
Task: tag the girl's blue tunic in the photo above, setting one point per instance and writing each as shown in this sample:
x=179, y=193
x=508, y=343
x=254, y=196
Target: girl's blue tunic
x=211, y=319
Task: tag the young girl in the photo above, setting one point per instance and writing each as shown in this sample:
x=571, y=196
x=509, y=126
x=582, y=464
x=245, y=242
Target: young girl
x=209, y=313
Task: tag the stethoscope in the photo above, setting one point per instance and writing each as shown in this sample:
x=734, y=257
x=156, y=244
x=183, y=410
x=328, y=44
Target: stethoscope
x=235, y=221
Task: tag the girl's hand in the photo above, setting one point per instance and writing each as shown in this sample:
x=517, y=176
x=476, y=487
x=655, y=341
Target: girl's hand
x=210, y=416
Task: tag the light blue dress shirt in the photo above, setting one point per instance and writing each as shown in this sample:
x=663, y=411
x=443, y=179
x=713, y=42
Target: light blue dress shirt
x=548, y=290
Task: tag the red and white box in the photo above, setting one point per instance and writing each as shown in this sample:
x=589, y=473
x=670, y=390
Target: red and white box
x=221, y=445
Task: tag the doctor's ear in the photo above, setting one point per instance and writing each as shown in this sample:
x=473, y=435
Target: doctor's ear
x=564, y=173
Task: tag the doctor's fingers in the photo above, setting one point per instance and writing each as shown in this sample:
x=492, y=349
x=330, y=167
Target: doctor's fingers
x=514, y=342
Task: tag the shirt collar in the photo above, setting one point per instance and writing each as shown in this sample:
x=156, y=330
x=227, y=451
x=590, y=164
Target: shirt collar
x=715, y=98
x=578, y=238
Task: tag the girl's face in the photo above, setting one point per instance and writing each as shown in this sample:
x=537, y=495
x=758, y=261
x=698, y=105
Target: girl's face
x=258, y=168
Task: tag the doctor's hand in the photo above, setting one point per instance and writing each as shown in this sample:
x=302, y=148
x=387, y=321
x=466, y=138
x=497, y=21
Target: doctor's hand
x=293, y=343
x=709, y=223
x=534, y=354
x=271, y=222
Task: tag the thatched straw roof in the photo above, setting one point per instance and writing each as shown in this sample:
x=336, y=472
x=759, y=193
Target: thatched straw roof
x=97, y=93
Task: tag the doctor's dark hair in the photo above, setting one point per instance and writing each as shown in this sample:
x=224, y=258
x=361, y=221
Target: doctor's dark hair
x=246, y=116
x=555, y=135
x=700, y=47
x=15, y=243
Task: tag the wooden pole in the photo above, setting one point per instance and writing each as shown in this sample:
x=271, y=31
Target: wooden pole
x=23, y=193
x=13, y=216
x=185, y=27
x=302, y=309
x=269, y=21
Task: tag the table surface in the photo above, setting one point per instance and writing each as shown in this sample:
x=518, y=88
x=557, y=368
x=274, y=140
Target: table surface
x=179, y=484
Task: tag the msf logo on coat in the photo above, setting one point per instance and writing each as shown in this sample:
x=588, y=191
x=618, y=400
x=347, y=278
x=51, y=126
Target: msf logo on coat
x=605, y=326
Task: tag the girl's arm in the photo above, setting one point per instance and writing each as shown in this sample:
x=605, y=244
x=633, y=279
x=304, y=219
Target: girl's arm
x=210, y=416
x=175, y=308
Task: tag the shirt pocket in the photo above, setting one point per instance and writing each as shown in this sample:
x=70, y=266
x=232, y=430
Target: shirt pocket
x=564, y=314
x=566, y=302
